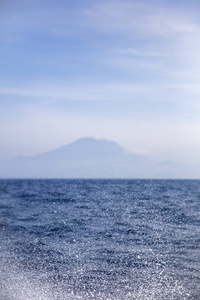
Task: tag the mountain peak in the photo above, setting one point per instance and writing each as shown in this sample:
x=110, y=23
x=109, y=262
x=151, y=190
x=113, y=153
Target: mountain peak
x=93, y=146
x=85, y=148
x=89, y=141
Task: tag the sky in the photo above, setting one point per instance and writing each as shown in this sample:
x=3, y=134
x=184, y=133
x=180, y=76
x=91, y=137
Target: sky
x=127, y=71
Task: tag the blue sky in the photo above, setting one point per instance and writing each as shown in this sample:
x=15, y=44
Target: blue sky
x=127, y=71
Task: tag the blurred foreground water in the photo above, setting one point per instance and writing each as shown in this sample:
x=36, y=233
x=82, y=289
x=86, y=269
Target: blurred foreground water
x=99, y=239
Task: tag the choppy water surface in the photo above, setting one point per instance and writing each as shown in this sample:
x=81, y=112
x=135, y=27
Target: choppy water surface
x=99, y=239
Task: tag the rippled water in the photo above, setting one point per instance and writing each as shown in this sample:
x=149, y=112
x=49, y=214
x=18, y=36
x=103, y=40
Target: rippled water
x=99, y=239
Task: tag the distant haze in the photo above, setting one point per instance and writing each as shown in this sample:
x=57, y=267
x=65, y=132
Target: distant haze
x=90, y=158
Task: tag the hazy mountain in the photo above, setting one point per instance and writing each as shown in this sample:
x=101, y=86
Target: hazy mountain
x=85, y=148
x=87, y=158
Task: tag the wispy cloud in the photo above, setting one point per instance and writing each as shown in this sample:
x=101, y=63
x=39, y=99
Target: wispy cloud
x=110, y=17
x=138, y=53
x=142, y=18
x=104, y=92
x=126, y=92
x=82, y=92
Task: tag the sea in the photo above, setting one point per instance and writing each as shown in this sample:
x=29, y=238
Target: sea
x=99, y=239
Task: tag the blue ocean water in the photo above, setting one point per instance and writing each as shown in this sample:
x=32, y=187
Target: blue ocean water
x=99, y=239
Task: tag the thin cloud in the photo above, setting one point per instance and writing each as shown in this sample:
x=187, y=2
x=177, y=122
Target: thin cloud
x=106, y=92
x=114, y=17
x=138, y=53
x=109, y=17
x=89, y=92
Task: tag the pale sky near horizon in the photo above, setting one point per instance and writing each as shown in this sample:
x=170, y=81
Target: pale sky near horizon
x=127, y=71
